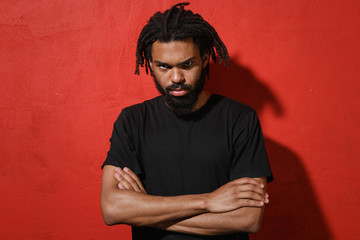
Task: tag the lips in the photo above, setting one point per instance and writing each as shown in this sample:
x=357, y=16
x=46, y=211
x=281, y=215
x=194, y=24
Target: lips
x=178, y=92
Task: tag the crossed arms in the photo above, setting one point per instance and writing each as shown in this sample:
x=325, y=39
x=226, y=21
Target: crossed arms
x=235, y=207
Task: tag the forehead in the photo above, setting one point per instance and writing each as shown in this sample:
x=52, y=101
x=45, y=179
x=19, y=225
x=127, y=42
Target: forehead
x=174, y=51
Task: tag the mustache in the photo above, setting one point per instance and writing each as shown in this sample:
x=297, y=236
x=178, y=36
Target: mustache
x=178, y=86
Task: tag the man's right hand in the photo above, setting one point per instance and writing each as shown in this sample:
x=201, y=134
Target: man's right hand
x=242, y=192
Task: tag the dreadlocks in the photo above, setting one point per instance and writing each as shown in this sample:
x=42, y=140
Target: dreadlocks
x=176, y=24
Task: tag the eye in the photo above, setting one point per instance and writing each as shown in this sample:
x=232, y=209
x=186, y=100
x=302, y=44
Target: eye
x=187, y=64
x=163, y=66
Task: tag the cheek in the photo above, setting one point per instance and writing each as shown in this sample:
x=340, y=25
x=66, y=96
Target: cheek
x=160, y=78
x=158, y=75
x=193, y=76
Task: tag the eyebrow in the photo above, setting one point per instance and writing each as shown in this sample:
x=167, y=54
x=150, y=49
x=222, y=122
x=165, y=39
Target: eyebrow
x=163, y=63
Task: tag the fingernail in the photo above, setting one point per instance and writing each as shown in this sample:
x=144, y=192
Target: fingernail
x=126, y=169
x=261, y=203
x=120, y=186
x=261, y=185
x=117, y=175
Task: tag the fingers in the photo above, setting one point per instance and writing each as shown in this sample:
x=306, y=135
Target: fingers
x=253, y=196
x=247, y=180
x=128, y=180
x=123, y=183
x=136, y=178
x=251, y=203
x=250, y=189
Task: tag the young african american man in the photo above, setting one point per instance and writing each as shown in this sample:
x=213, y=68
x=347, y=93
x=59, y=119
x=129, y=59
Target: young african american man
x=187, y=164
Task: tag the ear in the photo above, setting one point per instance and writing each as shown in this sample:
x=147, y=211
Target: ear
x=150, y=63
x=205, y=59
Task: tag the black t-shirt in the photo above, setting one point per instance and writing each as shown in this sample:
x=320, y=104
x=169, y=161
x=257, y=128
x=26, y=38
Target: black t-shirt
x=193, y=154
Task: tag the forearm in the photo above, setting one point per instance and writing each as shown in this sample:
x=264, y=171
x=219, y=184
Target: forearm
x=246, y=219
x=131, y=205
x=138, y=209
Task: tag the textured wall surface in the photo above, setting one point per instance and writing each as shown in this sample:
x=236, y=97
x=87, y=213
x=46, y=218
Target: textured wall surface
x=66, y=71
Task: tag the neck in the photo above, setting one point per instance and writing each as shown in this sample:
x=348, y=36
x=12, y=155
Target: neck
x=202, y=99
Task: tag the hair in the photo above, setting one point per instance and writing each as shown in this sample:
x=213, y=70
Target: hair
x=177, y=24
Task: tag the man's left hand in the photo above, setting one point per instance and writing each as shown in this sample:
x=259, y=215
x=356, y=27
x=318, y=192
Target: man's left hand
x=128, y=180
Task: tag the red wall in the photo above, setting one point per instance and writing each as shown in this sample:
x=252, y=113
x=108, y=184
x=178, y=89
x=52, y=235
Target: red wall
x=66, y=71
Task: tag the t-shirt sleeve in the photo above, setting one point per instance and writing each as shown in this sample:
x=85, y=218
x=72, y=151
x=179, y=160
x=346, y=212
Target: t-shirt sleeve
x=250, y=158
x=122, y=151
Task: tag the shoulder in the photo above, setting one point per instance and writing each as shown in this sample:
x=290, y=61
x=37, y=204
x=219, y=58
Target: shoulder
x=239, y=116
x=232, y=108
x=136, y=114
x=141, y=108
x=151, y=103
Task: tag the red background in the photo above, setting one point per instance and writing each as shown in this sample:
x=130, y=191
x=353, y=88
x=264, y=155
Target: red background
x=66, y=70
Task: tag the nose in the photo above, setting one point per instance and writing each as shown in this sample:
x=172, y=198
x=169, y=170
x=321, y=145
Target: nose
x=177, y=76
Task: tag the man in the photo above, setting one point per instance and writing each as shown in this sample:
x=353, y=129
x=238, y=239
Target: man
x=187, y=164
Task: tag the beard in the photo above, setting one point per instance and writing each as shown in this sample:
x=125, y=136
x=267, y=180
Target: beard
x=182, y=105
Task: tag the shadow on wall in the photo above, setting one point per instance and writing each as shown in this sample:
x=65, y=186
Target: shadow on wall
x=293, y=212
